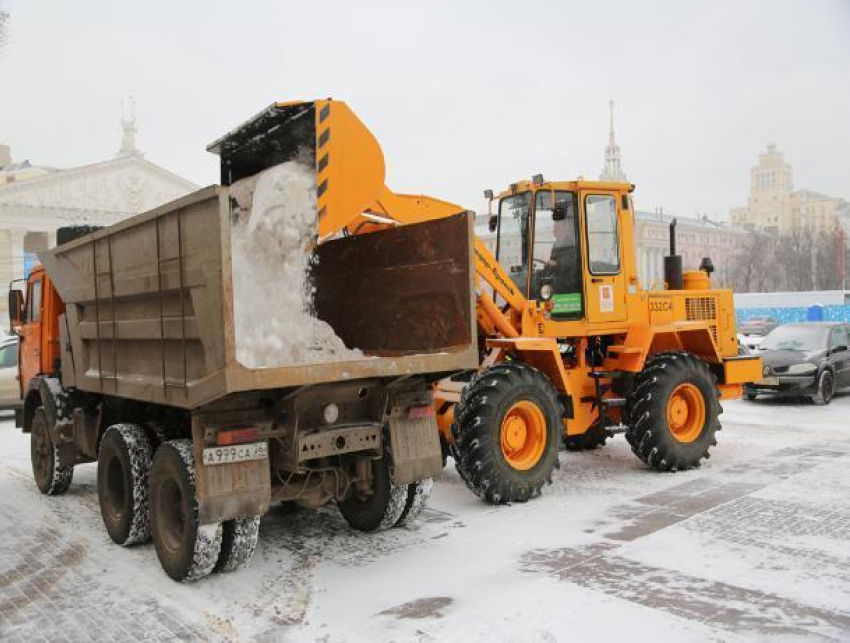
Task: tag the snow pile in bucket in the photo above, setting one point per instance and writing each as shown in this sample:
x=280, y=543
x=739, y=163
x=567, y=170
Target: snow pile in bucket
x=272, y=240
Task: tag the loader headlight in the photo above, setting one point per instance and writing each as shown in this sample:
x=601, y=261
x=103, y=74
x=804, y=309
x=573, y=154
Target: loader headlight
x=330, y=413
x=546, y=292
x=802, y=369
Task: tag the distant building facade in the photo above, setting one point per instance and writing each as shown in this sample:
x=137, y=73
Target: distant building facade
x=776, y=208
x=36, y=200
x=695, y=239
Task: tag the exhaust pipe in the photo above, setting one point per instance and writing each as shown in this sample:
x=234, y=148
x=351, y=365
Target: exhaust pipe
x=674, y=275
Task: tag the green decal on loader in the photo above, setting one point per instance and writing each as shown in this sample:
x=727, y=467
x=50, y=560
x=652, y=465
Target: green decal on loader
x=566, y=303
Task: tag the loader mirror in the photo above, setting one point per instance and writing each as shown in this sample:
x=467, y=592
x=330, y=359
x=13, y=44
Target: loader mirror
x=559, y=213
x=16, y=307
x=492, y=223
x=488, y=194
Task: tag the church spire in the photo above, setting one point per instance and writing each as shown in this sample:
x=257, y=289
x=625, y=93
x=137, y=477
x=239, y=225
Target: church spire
x=128, y=124
x=612, y=171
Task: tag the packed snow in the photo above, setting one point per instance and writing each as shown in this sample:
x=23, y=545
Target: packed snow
x=751, y=546
x=272, y=240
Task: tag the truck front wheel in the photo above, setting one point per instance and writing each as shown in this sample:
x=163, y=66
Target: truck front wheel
x=51, y=479
x=187, y=550
x=123, y=464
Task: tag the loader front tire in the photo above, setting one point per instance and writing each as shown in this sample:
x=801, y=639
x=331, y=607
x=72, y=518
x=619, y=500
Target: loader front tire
x=382, y=508
x=187, y=550
x=123, y=464
x=50, y=478
x=672, y=412
x=508, y=425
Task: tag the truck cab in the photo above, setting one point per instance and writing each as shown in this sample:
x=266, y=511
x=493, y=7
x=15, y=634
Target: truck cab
x=34, y=314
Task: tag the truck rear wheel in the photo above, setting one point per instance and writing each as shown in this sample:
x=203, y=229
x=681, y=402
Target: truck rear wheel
x=51, y=479
x=417, y=497
x=239, y=539
x=123, y=464
x=507, y=432
x=187, y=550
x=672, y=412
x=382, y=508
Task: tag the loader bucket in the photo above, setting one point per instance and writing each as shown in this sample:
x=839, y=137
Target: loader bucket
x=347, y=159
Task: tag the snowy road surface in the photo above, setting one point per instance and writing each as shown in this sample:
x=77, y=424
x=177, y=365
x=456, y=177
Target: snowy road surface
x=754, y=545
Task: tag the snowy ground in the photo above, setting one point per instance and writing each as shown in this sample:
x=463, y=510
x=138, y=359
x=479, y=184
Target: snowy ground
x=753, y=545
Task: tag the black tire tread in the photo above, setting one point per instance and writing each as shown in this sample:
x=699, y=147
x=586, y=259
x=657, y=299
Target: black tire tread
x=477, y=450
x=648, y=434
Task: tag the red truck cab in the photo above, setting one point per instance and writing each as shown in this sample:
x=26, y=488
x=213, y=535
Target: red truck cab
x=35, y=319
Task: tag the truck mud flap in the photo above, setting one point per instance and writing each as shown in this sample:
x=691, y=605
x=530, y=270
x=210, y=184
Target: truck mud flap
x=231, y=490
x=414, y=444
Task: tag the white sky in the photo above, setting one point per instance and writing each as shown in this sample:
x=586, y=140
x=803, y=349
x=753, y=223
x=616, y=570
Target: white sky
x=462, y=96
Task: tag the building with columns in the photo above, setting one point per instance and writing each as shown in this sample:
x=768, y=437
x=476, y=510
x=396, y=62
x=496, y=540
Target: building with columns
x=695, y=239
x=36, y=200
x=776, y=208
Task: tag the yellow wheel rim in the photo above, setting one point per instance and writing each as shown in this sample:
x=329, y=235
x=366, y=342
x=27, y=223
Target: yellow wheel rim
x=523, y=435
x=686, y=412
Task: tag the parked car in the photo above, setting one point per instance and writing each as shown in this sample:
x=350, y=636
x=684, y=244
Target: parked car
x=760, y=325
x=10, y=392
x=804, y=360
x=749, y=342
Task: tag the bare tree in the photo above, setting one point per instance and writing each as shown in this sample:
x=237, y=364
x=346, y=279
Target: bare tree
x=802, y=259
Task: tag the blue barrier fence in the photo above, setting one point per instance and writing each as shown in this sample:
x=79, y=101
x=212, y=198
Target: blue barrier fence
x=792, y=314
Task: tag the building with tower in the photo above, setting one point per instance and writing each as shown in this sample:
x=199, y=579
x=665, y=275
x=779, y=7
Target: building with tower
x=776, y=208
x=35, y=200
x=613, y=170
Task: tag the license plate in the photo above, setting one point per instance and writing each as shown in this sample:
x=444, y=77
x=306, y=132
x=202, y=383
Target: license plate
x=768, y=381
x=236, y=453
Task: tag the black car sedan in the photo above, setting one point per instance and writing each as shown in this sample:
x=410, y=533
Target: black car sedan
x=804, y=360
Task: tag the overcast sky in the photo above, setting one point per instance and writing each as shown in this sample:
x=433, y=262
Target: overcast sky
x=462, y=96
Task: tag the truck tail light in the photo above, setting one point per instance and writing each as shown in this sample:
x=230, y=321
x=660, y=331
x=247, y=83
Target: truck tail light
x=237, y=436
x=419, y=412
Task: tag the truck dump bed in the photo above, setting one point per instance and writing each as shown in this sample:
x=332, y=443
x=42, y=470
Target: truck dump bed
x=150, y=315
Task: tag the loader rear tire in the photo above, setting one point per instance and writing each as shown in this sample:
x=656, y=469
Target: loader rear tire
x=187, y=550
x=381, y=509
x=123, y=464
x=50, y=478
x=506, y=435
x=239, y=539
x=672, y=412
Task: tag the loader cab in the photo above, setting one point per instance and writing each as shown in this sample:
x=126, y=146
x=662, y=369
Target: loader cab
x=564, y=245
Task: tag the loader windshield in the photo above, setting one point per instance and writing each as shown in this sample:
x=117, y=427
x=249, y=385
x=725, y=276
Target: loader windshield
x=556, y=257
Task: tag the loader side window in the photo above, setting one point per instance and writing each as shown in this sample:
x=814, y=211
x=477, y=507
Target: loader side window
x=557, y=255
x=514, y=228
x=603, y=235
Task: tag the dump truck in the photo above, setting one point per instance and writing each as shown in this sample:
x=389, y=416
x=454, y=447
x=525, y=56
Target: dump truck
x=132, y=354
